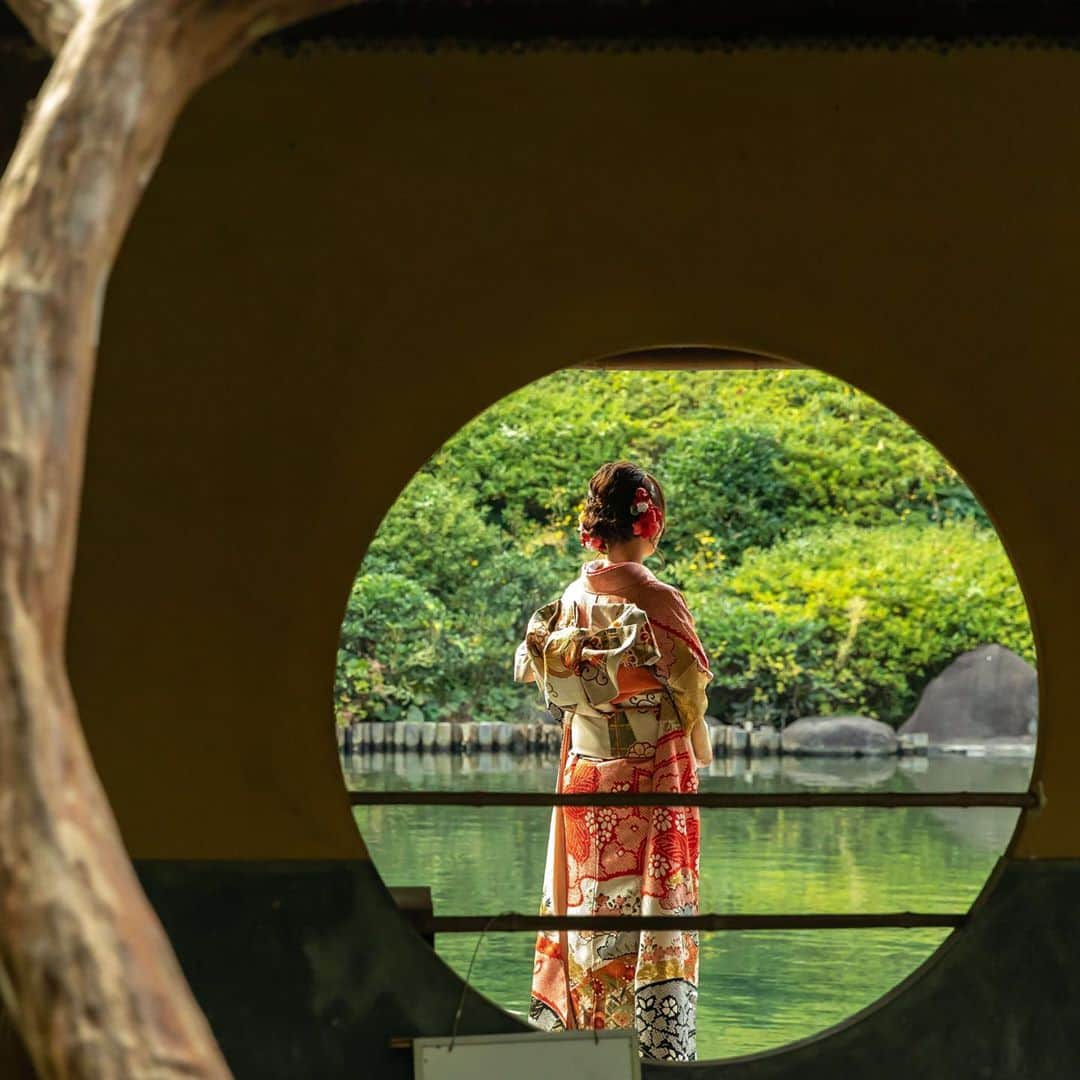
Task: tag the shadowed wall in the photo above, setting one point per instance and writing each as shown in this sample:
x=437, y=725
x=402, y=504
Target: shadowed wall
x=346, y=255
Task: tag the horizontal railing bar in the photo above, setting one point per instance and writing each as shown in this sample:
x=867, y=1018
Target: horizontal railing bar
x=474, y=924
x=1024, y=800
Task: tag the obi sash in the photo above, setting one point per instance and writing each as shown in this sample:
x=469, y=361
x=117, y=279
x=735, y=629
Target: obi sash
x=576, y=667
x=623, y=733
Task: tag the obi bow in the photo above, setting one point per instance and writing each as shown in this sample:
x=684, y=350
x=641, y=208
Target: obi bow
x=575, y=666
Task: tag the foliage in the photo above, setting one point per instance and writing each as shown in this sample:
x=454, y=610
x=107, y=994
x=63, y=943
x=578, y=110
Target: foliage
x=850, y=619
x=395, y=627
x=528, y=457
x=758, y=467
x=432, y=621
x=734, y=475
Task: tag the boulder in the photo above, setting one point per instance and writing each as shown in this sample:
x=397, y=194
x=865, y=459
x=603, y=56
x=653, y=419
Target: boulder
x=986, y=694
x=839, y=736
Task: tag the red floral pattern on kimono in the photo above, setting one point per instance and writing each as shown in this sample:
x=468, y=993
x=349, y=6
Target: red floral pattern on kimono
x=632, y=861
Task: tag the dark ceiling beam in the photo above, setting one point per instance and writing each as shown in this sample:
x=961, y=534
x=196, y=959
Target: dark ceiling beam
x=696, y=357
x=701, y=23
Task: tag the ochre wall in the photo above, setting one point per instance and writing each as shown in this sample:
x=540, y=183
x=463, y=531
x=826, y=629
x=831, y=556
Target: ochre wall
x=345, y=255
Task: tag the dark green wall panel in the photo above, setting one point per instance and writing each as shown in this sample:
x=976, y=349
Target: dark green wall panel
x=306, y=970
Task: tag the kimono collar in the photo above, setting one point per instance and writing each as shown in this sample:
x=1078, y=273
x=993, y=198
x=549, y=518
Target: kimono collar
x=663, y=604
x=605, y=577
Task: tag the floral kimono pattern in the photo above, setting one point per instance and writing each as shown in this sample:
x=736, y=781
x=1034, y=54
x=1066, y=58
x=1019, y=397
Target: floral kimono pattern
x=622, y=860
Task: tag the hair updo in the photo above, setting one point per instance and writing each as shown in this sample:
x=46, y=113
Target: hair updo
x=608, y=514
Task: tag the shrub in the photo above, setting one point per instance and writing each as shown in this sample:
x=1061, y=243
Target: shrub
x=727, y=492
x=432, y=622
x=854, y=620
x=393, y=651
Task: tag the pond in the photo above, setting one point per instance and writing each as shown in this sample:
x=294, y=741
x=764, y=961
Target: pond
x=758, y=989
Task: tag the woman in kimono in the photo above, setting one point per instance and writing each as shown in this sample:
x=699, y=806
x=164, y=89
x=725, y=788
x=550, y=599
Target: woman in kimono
x=619, y=660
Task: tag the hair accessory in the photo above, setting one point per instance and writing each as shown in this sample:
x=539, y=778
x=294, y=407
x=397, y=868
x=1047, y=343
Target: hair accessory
x=648, y=518
x=588, y=540
x=641, y=502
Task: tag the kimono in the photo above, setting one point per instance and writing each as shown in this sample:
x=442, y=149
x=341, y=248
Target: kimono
x=619, y=662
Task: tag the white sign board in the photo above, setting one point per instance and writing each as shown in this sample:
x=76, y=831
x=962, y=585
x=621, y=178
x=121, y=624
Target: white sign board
x=582, y=1055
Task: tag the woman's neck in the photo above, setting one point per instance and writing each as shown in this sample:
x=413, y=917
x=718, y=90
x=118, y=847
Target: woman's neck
x=636, y=550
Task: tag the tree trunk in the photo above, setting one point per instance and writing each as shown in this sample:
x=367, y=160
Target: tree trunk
x=86, y=971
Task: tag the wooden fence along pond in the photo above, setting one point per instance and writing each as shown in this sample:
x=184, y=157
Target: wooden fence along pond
x=451, y=737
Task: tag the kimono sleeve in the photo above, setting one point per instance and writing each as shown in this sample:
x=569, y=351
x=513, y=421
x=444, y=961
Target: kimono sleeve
x=687, y=683
x=684, y=667
x=523, y=668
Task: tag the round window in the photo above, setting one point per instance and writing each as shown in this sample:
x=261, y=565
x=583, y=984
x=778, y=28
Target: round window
x=864, y=630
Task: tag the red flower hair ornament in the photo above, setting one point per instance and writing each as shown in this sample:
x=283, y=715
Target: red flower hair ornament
x=590, y=541
x=648, y=518
x=648, y=521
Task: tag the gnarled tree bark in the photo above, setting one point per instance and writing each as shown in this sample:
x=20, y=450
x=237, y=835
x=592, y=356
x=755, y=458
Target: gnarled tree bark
x=86, y=971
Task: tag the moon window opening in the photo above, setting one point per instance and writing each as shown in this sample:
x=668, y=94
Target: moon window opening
x=864, y=625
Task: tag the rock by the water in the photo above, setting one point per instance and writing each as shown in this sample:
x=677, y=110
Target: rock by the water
x=838, y=736
x=987, y=694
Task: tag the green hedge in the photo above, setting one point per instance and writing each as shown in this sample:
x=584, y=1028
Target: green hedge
x=851, y=619
x=769, y=475
x=432, y=621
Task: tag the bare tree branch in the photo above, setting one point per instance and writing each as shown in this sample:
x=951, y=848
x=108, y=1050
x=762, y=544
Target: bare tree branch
x=86, y=970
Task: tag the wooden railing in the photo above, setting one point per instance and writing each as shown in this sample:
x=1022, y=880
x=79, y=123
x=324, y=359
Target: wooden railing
x=711, y=800
x=428, y=924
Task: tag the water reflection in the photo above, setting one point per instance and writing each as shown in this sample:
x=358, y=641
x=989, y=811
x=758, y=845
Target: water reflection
x=949, y=772
x=758, y=990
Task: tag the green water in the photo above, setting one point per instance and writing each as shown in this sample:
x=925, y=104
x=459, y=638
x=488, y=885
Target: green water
x=758, y=990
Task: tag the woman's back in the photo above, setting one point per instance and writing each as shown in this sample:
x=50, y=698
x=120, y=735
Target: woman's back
x=682, y=666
